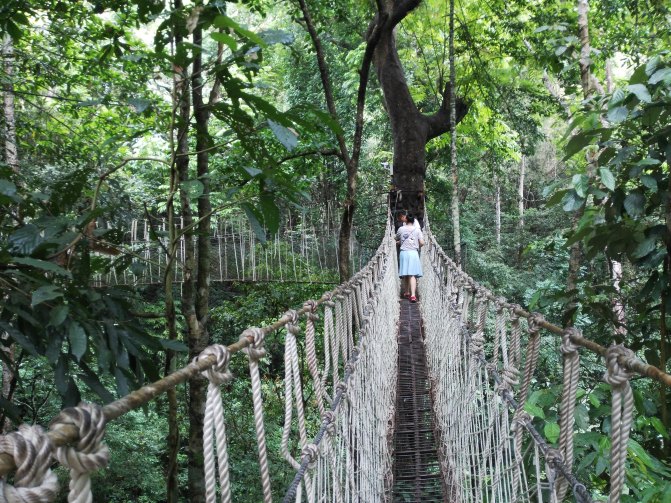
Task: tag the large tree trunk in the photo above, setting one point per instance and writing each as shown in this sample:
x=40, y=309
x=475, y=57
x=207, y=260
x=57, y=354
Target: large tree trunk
x=11, y=150
x=454, y=168
x=179, y=165
x=198, y=335
x=411, y=130
x=497, y=185
x=520, y=192
x=351, y=161
x=12, y=160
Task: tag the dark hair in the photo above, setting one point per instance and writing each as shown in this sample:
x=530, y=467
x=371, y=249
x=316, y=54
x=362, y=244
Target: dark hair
x=408, y=215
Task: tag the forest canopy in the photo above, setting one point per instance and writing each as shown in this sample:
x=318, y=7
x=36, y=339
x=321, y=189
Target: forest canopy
x=535, y=134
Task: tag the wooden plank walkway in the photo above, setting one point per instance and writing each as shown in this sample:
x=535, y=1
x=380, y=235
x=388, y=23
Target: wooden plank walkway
x=417, y=475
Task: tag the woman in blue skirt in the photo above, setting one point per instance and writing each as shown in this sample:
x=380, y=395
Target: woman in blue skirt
x=409, y=237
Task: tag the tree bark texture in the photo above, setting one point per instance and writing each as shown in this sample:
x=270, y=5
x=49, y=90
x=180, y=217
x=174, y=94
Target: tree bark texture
x=520, y=192
x=179, y=165
x=497, y=185
x=351, y=162
x=198, y=337
x=454, y=168
x=11, y=149
x=12, y=160
x=411, y=129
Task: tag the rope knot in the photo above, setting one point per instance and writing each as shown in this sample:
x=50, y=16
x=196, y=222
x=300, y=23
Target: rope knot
x=510, y=376
x=255, y=351
x=342, y=387
x=311, y=307
x=522, y=417
x=310, y=453
x=513, y=314
x=535, y=322
x=500, y=303
x=89, y=453
x=328, y=417
x=568, y=347
x=617, y=375
x=553, y=457
x=219, y=372
x=34, y=481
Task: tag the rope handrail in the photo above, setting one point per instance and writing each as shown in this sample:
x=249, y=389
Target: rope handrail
x=630, y=363
x=65, y=434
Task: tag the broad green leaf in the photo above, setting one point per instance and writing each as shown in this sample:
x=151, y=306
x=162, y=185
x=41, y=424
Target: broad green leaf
x=617, y=114
x=19, y=337
x=650, y=182
x=534, y=410
x=58, y=315
x=223, y=21
x=607, y=178
x=270, y=211
x=618, y=97
x=254, y=222
x=45, y=293
x=641, y=92
x=659, y=426
x=648, y=161
x=556, y=198
x=224, y=38
x=25, y=239
x=551, y=431
x=43, y=265
x=661, y=75
x=580, y=184
x=644, y=247
x=634, y=203
x=572, y=201
x=286, y=137
x=577, y=143
x=652, y=65
x=77, y=338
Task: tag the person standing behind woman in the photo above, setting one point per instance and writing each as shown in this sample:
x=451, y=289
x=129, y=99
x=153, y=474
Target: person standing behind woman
x=410, y=238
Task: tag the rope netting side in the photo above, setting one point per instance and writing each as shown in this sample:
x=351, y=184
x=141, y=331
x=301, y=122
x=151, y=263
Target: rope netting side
x=480, y=462
x=462, y=300
x=349, y=458
x=355, y=312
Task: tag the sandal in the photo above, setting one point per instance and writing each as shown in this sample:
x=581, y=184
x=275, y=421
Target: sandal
x=406, y=295
x=413, y=298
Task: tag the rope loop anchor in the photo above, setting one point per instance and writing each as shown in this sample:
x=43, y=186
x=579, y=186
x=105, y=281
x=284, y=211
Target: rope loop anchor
x=34, y=480
x=255, y=351
x=310, y=453
x=219, y=373
x=535, y=322
x=568, y=347
x=89, y=453
x=616, y=374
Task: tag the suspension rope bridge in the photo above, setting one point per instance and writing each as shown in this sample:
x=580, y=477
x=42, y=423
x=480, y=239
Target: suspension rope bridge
x=472, y=439
x=297, y=251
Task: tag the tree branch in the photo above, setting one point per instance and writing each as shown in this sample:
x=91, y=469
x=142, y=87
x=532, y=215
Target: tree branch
x=325, y=78
x=439, y=122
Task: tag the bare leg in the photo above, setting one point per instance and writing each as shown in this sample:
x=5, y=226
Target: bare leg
x=413, y=285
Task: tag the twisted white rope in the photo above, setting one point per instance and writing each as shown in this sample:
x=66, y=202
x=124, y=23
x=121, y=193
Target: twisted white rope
x=622, y=416
x=34, y=481
x=88, y=454
x=255, y=352
x=214, y=427
x=567, y=413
